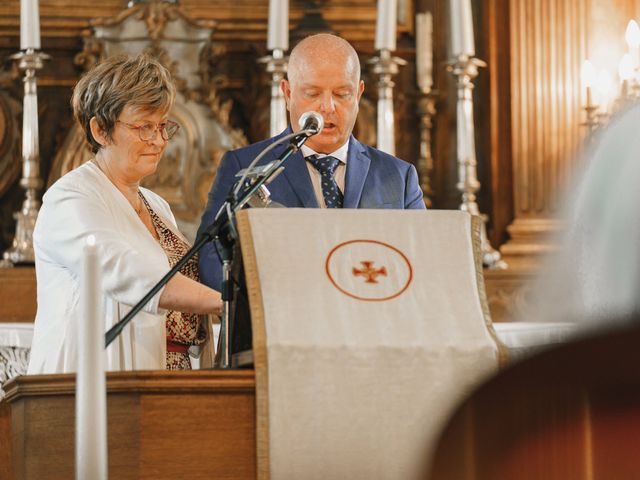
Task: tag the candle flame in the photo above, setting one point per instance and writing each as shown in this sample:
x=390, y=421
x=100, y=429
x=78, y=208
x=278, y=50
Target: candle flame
x=632, y=35
x=91, y=240
x=625, y=69
x=588, y=74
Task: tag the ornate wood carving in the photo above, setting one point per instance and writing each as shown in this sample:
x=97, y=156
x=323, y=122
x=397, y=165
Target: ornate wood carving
x=188, y=167
x=10, y=128
x=508, y=293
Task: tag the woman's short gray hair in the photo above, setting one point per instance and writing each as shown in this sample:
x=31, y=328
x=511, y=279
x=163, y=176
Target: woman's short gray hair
x=115, y=83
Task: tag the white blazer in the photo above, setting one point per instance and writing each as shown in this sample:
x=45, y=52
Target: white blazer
x=81, y=203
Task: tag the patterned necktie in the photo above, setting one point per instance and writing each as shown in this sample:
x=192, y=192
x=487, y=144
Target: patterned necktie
x=327, y=166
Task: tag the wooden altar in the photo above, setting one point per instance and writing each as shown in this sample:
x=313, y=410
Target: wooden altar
x=506, y=293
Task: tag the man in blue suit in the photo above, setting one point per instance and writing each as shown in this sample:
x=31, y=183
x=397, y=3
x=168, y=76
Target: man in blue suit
x=332, y=169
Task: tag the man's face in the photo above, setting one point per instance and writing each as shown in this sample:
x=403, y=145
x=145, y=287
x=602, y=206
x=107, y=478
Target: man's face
x=330, y=88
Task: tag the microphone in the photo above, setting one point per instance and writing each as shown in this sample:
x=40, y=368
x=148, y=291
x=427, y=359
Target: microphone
x=311, y=123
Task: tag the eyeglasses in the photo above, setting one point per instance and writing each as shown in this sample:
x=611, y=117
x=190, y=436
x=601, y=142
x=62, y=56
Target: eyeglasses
x=147, y=131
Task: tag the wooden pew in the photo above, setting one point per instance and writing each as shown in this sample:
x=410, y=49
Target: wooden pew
x=572, y=412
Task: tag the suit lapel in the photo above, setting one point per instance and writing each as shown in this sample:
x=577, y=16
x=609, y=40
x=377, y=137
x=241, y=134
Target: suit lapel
x=357, y=168
x=296, y=174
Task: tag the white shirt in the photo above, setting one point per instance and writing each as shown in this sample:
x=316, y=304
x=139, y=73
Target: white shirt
x=338, y=175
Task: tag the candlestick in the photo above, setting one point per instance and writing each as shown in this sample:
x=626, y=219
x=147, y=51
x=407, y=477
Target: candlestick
x=461, y=28
x=426, y=111
x=386, y=66
x=465, y=69
x=21, y=250
x=29, y=25
x=278, y=33
x=91, y=400
x=277, y=67
x=588, y=78
x=424, y=51
x=386, y=20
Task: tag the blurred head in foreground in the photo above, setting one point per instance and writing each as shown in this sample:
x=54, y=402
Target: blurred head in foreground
x=596, y=275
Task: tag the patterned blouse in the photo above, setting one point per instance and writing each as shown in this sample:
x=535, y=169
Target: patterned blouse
x=183, y=329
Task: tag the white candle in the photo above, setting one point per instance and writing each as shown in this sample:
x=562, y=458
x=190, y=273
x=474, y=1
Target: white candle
x=386, y=25
x=278, y=34
x=424, y=53
x=91, y=401
x=461, y=28
x=588, y=76
x=29, y=25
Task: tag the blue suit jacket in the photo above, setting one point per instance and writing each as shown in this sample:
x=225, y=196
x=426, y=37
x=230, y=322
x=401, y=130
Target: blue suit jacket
x=373, y=179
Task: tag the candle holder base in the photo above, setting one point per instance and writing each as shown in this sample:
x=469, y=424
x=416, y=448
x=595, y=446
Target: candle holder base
x=21, y=251
x=591, y=121
x=491, y=258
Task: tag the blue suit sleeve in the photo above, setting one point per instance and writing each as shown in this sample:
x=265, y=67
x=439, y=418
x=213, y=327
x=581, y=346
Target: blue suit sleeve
x=210, y=265
x=414, y=198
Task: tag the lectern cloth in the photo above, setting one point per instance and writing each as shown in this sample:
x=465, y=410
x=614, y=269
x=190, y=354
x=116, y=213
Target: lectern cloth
x=374, y=329
x=85, y=202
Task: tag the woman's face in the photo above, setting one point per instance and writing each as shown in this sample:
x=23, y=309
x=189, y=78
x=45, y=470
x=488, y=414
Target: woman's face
x=131, y=156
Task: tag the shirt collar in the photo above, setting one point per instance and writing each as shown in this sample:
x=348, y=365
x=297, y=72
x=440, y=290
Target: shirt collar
x=340, y=154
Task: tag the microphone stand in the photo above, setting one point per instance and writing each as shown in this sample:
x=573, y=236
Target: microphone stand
x=222, y=229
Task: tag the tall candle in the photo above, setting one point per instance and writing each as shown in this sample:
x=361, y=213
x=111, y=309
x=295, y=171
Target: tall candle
x=91, y=401
x=386, y=25
x=461, y=28
x=424, y=50
x=278, y=34
x=29, y=25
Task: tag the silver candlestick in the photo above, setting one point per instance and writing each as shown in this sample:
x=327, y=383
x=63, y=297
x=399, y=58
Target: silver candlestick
x=21, y=251
x=386, y=66
x=591, y=111
x=465, y=69
x=277, y=67
x=426, y=111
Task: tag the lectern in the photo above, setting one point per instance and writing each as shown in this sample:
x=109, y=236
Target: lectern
x=369, y=326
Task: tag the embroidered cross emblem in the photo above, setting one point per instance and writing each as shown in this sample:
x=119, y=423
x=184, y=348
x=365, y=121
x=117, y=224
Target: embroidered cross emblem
x=369, y=272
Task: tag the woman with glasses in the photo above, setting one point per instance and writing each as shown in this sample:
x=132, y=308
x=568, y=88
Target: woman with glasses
x=123, y=106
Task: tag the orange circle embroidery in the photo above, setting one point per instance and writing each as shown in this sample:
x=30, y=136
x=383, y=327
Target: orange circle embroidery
x=368, y=271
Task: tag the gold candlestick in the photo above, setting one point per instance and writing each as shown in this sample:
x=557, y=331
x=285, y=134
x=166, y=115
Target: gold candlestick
x=591, y=111
x=426, y=111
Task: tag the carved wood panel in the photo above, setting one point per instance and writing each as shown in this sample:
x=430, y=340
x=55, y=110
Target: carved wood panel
x=548, y=45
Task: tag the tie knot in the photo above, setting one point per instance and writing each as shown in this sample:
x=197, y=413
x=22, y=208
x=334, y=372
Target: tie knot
x=325, y=165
